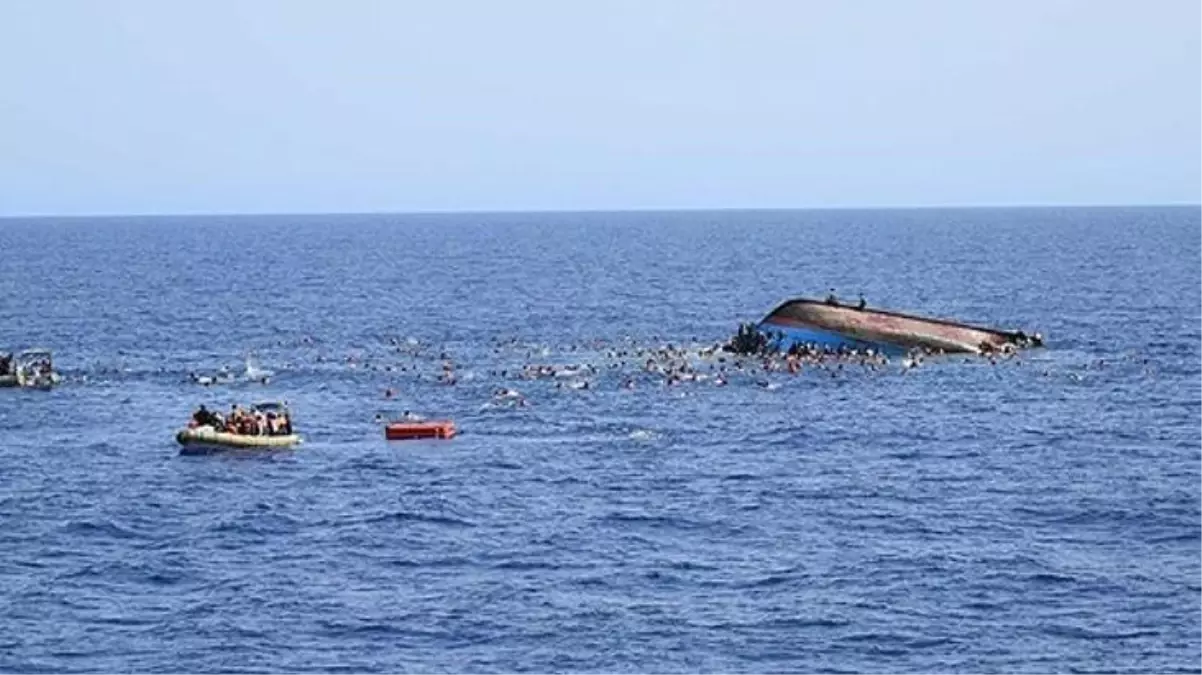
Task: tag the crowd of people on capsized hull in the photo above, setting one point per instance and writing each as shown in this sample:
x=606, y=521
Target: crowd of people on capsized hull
x=243, y=422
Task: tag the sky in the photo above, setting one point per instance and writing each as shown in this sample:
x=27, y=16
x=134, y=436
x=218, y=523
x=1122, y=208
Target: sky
x=293, y=106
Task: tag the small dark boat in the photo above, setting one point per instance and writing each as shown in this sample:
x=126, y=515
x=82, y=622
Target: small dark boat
x=32, y=368
x=828, y=324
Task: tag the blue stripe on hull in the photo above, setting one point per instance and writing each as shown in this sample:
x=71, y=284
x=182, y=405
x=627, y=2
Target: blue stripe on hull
x=798, y=335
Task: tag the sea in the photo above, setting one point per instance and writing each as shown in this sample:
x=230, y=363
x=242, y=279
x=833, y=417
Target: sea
x=1035, y=514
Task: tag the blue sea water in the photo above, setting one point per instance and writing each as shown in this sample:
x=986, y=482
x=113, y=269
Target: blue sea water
x=1037, y=515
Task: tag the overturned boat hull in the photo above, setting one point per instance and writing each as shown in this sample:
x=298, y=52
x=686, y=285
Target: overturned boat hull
x=813, y=322
x=206, y=440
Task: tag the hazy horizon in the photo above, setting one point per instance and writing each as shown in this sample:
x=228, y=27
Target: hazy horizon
x=140, y=108
x=487, y=212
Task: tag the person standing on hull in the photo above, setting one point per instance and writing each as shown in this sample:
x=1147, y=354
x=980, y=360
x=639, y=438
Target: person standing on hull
x=831, y=299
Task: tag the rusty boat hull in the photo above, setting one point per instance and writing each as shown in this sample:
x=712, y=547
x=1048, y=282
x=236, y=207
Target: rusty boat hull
x=804, y=321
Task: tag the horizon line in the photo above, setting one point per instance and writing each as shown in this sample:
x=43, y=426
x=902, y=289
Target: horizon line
x=551, y=211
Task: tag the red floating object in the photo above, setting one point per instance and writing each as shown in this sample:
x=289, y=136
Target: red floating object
x=405, y=431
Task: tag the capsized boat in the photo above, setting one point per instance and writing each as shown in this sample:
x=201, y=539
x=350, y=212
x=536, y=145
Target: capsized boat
x=829, y=324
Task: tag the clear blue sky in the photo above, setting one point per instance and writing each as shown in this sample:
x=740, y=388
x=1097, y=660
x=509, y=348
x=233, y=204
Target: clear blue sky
x=397, y=105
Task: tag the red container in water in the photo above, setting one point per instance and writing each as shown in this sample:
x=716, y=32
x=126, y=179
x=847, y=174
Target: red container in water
x=405, y=431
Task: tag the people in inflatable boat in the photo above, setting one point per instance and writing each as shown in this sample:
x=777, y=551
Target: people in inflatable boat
x=205, y=418
x=245, y=422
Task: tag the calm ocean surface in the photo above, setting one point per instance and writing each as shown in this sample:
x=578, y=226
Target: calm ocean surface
x=1036, y=515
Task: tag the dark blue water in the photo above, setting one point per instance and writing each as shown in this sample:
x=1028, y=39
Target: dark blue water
x=1041, y=514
